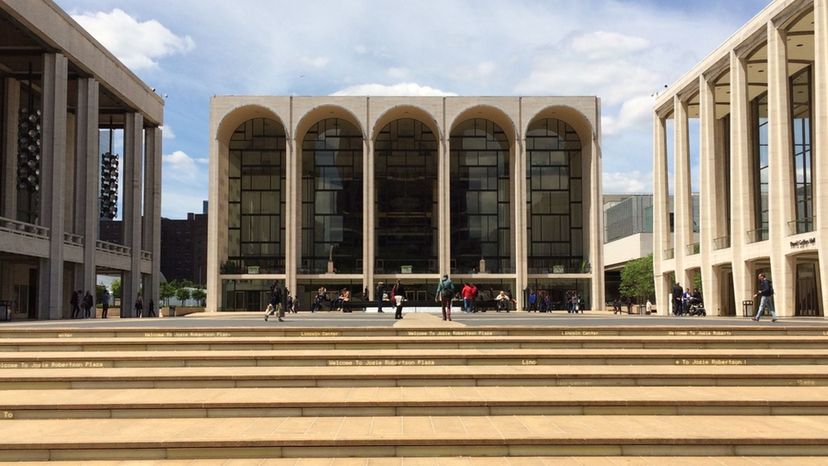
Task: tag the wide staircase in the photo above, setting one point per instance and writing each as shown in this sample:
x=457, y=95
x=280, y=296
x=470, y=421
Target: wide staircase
x=426, y=394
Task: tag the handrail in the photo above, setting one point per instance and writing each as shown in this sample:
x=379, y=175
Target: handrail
x=669, y=253
x=72, y=238
x=722, y=242
x=759, y=234
x=694, y=248
x=113, y=248
x=146, y=255
x=801, y=225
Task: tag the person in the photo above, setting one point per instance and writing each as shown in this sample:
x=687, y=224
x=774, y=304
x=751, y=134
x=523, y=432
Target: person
x=151, y=309
x=533, y=300
x=105, y=304
x=139, y=306
x=445, y=291
x=677, y=294
x=502, y=301
x=766, y=300
x=345, y=299
x=468, y=297
x=379, y=296
x=399, y=297
x=616, y=306
x=75, y=305
x=275, y=302
x=365, y=294
x=576, y=303
x=88, y=304
x=318, y=299
x=285, y=294
x=696, y=297
x=686, y=301
x=648, y=307
x=629, y=305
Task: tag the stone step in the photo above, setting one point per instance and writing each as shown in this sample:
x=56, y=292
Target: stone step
x=417, y=375
x=262, y=330
x=407, y=436
x=222, y=343
x=409, y=357
x=411, y=401
x=474, y=461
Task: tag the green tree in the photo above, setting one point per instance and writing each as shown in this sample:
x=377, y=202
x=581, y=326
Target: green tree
x=199, y=295
x=183, y=294
x=637, y=279
x=116, y=288
x=99, y=292
x=167, y=291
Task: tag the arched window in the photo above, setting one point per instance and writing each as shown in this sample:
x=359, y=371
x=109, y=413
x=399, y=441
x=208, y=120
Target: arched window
x=256, y=204
x=480, y=202
x=332, y=197
x=406, y=198
x=554, y=197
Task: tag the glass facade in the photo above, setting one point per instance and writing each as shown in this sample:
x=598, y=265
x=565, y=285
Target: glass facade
x=256, y=204
x=481, y=214
x=759, y=107
x=553, y=197
x=801, y=109
x=332, y=197
x=406, y=198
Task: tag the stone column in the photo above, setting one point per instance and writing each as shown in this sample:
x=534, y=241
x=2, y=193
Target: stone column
x=661, y=212
x=708, y=199
x=368, y=216
x=216, y=195
x=682, y=202
x=518, y=159
x=740, y=199
x=11, y=114
x=781, y=194
x=293, y=221
x=820, y=127
x=87, y=159
x=133, y=145
x=52, y=183
x=596, y=227
x=443, y=208
x=152, y=212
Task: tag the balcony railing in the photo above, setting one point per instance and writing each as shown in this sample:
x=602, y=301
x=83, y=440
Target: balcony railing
x=73, y=239
x=801, y=225
x=146, y=255
x=113, y=248
x=669, y=253
x=722, y=242
x=23, y=229
x=759, y=234
x=694, y=248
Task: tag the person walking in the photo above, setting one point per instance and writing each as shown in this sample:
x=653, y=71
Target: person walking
x=139, y=306
x=399, y=298
x=445, y=291
x=378, y=295
x=105, y=303
x=88, y=304
x=766, y=301
x=468, y=297
x=533, y=301
x=275, y=303
x=74, y=303
x=151, y=309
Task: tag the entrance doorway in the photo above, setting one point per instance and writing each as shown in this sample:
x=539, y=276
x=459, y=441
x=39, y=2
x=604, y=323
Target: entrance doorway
x=807, y=295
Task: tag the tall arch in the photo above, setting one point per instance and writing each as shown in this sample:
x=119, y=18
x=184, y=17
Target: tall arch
x=406, y=173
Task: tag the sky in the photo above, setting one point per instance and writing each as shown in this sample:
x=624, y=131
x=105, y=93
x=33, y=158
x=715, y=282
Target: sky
x=620, y=50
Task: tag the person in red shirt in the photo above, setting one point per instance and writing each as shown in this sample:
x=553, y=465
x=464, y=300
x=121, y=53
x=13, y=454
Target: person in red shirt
x=468, y=297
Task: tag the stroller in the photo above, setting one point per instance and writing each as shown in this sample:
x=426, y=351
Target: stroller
x=696, y=308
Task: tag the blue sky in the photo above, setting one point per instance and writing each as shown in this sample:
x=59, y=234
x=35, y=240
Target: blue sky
x=620, y=50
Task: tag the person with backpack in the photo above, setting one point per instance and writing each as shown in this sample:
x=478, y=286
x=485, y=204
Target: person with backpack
x=445, y=291
x=766, y=302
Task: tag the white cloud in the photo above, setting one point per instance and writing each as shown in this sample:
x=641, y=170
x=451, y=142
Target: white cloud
x=485, y=68
x=635, y=112
x=628, y=182
x=167, y=132
x=400, y=89
x=315, y=62
x=397, y=72
x=603, y=44
x=139, y=44
x=180, y=165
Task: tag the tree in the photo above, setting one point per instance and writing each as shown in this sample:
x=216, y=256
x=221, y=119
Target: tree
x=99, y=292
x=167, y=291
x=183, y=294
x=116, y=288
x=199, y=295
x=637, y=279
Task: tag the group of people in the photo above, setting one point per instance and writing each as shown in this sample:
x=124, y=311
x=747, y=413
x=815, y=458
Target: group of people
x=81, y=304
x=541, y=301
x=684, y=298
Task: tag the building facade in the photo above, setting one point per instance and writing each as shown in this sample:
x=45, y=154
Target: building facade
x=60, y=90
x=760, y=102
x=348, y=192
